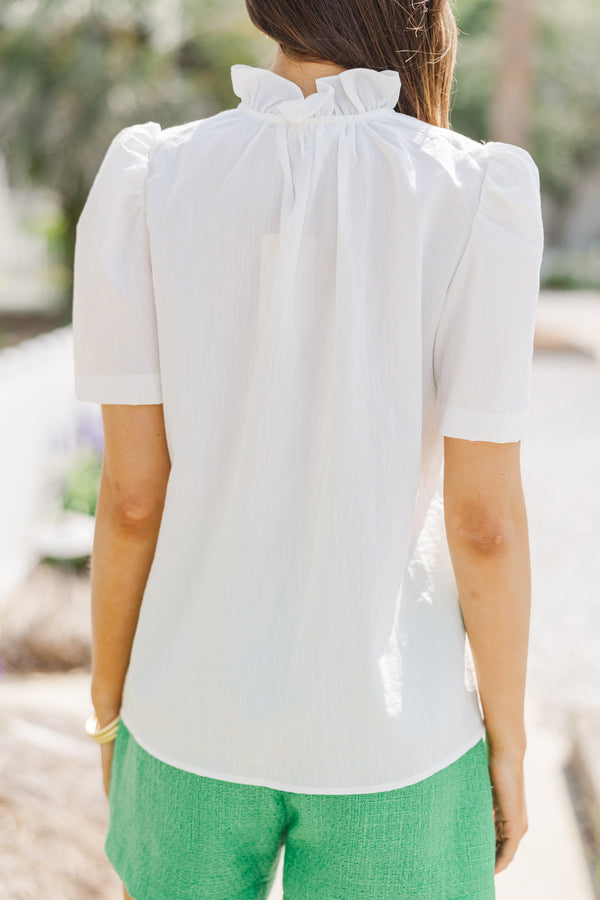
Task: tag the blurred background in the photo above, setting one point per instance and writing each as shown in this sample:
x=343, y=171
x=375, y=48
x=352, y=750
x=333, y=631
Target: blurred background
x=72, y=74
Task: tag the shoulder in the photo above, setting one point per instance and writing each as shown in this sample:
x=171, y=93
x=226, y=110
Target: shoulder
x=441, y=146
x=118, y=184
x=136, y=146
x=178, y=140
x=130, y=148
x=479, y=187
x=510, y=195
x=472, y=163
x=510, y=168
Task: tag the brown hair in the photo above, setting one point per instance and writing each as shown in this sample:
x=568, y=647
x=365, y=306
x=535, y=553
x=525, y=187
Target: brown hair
x=417, y=38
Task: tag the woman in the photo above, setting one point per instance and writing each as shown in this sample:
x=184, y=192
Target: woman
x=309, y=321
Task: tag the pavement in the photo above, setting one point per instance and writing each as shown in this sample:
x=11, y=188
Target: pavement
x=560, y=854
x=550, y=863
x=569, y=320
x=53, y=810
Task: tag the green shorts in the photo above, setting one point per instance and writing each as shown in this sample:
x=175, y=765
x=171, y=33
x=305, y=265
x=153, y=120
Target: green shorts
x=177, y=835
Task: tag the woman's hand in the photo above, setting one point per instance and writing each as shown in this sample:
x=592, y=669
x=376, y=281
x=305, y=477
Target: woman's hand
x=510, y=813
x=105, y=714
x=107, y=755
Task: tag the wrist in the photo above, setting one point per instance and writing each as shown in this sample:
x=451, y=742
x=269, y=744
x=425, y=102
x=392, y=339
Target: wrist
x=106, y=709
x=105, y=717
x=509, y=746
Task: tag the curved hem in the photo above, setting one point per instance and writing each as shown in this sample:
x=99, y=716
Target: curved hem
x=295, y=789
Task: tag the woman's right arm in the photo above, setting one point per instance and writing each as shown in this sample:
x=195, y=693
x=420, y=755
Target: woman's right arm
x=486, y=526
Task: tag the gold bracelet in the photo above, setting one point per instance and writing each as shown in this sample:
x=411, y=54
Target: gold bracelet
x=102, y=735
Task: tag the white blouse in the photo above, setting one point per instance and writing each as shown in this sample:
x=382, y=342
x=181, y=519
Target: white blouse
x=317, y=289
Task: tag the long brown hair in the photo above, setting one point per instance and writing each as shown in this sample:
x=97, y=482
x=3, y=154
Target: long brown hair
x=417, y=38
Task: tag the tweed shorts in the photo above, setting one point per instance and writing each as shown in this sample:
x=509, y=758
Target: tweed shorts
x=177, y=835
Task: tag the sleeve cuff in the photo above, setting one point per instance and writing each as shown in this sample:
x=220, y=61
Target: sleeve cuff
x=127, y=389
x=495, y=427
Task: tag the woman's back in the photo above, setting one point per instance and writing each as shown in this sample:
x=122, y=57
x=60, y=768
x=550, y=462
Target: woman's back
x=317, y=289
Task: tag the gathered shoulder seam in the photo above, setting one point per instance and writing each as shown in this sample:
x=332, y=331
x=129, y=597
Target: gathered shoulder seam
x=461, y=255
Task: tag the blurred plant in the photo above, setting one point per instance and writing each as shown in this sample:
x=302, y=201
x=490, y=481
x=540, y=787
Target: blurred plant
x=70, y=80
x=89, y=429
x=82, y=482
x=475, y=67
x=566, y=108
x=571, y=269
x=81, y=478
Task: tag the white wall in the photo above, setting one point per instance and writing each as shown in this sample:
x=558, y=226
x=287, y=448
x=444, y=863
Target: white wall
x=38, y=423
x=27, y=284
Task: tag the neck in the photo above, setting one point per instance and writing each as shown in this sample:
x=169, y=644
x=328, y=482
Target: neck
x=304, y=74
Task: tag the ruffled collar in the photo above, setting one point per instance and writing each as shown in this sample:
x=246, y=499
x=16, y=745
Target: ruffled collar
x=350, y=92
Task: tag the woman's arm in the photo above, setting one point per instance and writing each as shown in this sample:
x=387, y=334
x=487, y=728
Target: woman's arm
x=486, y=525
x=135, y=472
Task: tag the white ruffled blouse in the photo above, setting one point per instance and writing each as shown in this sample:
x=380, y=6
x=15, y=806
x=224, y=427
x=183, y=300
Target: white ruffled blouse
x=317, y=289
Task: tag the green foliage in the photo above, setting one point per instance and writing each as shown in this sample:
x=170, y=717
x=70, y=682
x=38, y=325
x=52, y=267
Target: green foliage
x=56, y=232
x=566, y=108
x=69, y=83
x=82, y=482
x=570, y=268
x=474, y=67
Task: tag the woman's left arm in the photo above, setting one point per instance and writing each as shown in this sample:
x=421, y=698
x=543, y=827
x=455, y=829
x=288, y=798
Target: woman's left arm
x=135, y=472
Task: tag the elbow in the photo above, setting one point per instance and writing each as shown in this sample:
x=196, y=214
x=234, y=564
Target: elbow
x=135, y=517
x=132, y=501
x=135, y=510
x=482, y=530
x=131, y=510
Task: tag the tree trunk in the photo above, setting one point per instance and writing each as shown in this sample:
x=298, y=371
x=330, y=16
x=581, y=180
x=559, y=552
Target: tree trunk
x=513, y=93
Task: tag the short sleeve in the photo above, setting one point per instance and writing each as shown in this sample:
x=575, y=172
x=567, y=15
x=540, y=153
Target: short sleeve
x=115, y=341
x=483, y=347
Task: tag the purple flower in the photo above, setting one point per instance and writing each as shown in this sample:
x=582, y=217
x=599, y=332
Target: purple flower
x=90, y=432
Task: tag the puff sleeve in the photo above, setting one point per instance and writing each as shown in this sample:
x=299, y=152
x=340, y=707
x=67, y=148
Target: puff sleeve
x=484, y=340
x=115, y=341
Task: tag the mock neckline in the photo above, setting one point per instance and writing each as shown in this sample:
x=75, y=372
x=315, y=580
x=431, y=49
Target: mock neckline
x=350, y=92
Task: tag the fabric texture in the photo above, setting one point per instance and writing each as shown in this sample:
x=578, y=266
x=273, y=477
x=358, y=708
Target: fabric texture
x=317, y=289
x=174, y=835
